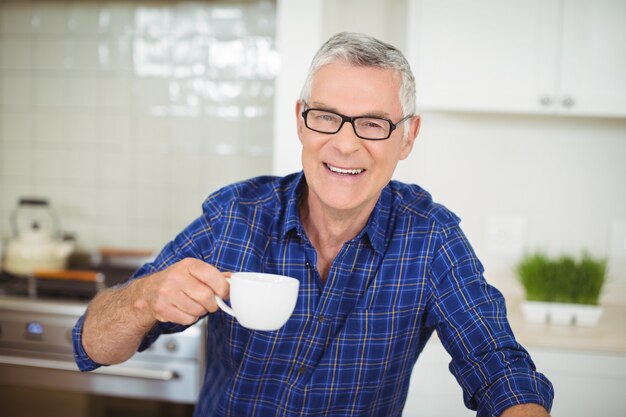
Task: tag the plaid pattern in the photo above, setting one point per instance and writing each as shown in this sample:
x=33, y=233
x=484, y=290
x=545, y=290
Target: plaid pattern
x=350, y=346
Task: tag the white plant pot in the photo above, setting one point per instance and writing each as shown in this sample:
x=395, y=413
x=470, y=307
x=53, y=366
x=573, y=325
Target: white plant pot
x=535, y=311
x=587, y=315
x=563, y=314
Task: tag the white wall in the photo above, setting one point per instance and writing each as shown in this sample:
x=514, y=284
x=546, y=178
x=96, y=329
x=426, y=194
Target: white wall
x=518, y=182
x=298, y=35
x=560, y=180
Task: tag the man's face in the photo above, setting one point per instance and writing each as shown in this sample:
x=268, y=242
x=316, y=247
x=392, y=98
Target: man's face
x=343, y=171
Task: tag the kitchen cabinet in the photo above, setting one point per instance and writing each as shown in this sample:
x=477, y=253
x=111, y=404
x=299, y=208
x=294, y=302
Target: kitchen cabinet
x=433, y=391
x=586, y=383
x=564, y=57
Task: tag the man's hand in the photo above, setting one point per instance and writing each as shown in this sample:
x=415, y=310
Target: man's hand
x=525, y=410
x=183, y=292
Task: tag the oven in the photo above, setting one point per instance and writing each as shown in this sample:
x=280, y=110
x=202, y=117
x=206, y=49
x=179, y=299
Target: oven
x=37, y=314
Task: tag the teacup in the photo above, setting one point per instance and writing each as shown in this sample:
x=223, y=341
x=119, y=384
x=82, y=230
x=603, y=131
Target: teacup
x=261, y=301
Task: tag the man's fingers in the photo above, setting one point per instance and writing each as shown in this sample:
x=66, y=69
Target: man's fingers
x=175, y=315
x=208, y=275
x=204, y=296
x=181, y=309
x=191, y=305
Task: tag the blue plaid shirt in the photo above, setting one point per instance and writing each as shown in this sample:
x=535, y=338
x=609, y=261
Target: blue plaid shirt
x=351, y=343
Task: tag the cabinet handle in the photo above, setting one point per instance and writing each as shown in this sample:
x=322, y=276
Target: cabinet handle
x=545, y=100
x=568, y=101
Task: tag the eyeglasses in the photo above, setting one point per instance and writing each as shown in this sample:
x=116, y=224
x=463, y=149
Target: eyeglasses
x=365, y=127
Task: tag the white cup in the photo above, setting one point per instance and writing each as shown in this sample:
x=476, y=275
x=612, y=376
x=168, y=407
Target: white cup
x=261, y=301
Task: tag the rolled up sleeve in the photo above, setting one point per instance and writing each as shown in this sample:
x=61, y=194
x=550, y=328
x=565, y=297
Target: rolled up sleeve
x=493, y=369
x=84, y=362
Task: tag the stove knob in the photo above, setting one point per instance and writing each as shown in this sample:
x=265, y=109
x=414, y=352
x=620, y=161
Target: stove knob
x=171, y=346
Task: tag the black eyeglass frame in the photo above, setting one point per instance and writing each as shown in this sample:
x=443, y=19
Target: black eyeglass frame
x=351, y=120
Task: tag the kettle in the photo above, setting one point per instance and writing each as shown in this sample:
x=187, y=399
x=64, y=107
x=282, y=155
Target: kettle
x=36, y=243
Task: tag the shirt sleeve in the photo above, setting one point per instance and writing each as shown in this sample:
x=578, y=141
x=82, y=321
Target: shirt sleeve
x=493, y=369
x=84, y=362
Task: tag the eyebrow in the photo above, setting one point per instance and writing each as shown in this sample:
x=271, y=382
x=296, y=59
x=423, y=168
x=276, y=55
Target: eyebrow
x=322, y=106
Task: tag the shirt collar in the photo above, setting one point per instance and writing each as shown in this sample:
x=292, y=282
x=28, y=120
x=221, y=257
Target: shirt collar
x=376, y=226
x=292, y=213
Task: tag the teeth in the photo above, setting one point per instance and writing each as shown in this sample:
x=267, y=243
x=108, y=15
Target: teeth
x=344, y=171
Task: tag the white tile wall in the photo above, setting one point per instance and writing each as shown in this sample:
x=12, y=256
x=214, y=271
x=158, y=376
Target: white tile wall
x=126, y=115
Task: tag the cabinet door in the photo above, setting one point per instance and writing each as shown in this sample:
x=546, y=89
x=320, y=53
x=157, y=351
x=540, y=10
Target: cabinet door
x=486, y=55
x=593, y=68
x=433, y=391
x=585, y=383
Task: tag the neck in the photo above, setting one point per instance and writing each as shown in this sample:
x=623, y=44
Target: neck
x=331, y=226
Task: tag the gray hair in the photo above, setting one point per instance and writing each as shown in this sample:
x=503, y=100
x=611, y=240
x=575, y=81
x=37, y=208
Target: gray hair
x=364, y=51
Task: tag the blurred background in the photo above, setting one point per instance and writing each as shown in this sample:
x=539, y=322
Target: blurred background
x=126, y=115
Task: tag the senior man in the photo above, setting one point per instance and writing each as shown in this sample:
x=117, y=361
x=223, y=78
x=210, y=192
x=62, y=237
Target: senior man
x=381, y=267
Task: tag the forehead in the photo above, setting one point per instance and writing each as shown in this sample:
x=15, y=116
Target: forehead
x=356, y=90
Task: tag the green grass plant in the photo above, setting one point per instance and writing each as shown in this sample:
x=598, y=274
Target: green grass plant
x=563, y=279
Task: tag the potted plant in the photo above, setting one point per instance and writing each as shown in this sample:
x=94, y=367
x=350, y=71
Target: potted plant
x=562, y=290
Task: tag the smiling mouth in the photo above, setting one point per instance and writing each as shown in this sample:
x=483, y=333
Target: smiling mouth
x=344, y=171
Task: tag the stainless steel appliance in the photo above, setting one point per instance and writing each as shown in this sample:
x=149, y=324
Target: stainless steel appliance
x=36, y=318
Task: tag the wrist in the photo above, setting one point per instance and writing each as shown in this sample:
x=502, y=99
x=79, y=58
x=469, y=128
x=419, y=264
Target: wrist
x=138, y=290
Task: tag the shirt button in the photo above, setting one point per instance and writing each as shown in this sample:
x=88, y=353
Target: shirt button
x=322, y=318
x=302, y=370
x=307, y=264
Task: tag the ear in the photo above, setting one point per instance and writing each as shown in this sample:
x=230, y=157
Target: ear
x=299, y=119
x=414, y=128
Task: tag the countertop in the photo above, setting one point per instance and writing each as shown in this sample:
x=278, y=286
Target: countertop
x=608, y=336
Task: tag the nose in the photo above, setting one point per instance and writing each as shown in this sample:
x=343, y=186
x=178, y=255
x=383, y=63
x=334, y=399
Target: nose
x=346, y=140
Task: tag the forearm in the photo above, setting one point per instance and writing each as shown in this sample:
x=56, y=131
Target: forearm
x=116, y=321
x=525, y=410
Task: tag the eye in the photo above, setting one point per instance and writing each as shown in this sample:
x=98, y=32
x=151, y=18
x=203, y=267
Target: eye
x=326, y=117
x=373, y=124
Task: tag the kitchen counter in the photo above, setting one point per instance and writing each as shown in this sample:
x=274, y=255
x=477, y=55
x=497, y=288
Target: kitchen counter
x=608, y=336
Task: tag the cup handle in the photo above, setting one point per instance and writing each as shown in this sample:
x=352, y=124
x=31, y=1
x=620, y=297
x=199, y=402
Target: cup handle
x=223, y=305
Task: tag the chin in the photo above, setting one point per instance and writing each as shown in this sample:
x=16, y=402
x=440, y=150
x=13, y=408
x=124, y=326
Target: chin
x=343, y=201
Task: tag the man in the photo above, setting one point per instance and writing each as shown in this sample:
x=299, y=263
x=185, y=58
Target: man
x=380, y=265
